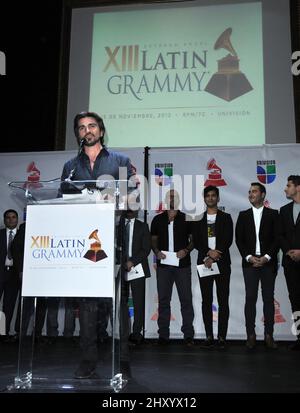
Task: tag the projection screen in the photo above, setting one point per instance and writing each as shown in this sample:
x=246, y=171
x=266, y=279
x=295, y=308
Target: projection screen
x=194, y=73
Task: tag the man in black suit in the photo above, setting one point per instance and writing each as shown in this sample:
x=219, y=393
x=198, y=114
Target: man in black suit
x=171, y=232
x=136, y=246
x=9, y=277
x=212, y=237
x=257, y=241
x=290, y=245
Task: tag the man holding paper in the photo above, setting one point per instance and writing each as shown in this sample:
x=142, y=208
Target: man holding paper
x=213, y=236
x=172, y=244
x=136, y=246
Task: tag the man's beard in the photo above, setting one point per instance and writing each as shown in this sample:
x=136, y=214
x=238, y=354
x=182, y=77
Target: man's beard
x=92, y=143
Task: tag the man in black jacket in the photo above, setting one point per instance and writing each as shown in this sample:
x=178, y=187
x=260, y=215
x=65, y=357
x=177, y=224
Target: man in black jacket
x=212, y=237
x=17, y=249
x=290, y=245
x=257, y=241
x=136, y=248
x=9, y=277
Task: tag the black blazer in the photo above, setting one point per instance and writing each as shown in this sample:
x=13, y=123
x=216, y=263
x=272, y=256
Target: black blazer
x=268, y=235
x=17, y=248
x=182, y=232
x=224, y=237
x=3, y=254
x=289, y=232
x=141, y=243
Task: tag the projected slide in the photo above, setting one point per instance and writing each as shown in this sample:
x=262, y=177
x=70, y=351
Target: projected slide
x=189, y=76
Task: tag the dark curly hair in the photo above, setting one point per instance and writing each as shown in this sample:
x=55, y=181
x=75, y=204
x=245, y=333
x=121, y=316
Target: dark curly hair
x=94, y=115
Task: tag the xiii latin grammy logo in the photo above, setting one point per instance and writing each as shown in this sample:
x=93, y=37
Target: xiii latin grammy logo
x=95, y=253
x=228, y=82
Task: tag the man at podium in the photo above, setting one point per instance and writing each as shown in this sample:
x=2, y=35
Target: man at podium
x=93, y=161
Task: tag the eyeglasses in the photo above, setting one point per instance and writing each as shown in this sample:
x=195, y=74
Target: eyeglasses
x=90, y=126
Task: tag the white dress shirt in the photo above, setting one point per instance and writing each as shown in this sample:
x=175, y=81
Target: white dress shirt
x=131, y=223
x=257, y=214
x=171, y=236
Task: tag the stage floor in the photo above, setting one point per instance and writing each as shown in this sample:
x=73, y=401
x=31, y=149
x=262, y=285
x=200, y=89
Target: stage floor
x=176, y=368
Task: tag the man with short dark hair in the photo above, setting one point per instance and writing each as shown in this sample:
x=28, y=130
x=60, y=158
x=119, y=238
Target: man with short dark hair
x=257, y=241
x=135, y=241
x=290, y=245
x=212, y=237
x=9, y=277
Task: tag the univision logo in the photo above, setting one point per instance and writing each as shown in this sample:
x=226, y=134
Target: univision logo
x=266, y=171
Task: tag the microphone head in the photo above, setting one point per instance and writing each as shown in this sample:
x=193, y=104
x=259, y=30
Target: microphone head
x=82, y=142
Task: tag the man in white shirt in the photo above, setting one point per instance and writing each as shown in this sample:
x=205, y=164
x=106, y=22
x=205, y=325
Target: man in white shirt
x=212, y=237
x=258, y=243
x=171, y=233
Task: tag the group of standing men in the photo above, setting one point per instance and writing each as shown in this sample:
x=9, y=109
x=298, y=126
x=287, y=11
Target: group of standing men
x=260, y=233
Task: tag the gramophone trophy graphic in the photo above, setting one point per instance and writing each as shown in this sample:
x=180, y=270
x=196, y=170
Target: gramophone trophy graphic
x=215, y=175
x=278, y=317
x=34, y=174
x=228, y=82
x=95, y=253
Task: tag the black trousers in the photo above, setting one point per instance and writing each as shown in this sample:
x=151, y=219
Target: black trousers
x=71, y=306
x=88, y=315
x=292, y=276
x=123, y=313
x=44, y=306
x=105, y=313
x=222, y=288
x=50, y=306
x=138, y=299
x=266, y=276
x=166, y=277
x=88, y=319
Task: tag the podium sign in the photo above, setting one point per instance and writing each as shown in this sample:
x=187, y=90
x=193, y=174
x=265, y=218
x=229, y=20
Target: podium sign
x=69, y=261
x=69, y=251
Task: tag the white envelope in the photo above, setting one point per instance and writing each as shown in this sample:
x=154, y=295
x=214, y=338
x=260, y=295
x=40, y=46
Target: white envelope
x=134, y=273
x=171, y=259
x=206, y=272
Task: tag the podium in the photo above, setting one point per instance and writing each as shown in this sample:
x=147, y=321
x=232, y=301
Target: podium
x=69, y=257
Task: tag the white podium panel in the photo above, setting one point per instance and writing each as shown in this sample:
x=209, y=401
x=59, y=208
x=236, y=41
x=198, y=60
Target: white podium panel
x=69, y=251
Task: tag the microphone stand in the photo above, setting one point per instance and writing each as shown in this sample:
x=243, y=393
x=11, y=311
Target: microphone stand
x=80, y=149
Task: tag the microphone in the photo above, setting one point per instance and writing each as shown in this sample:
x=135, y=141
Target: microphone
x=80, y=149
x=81, y=145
